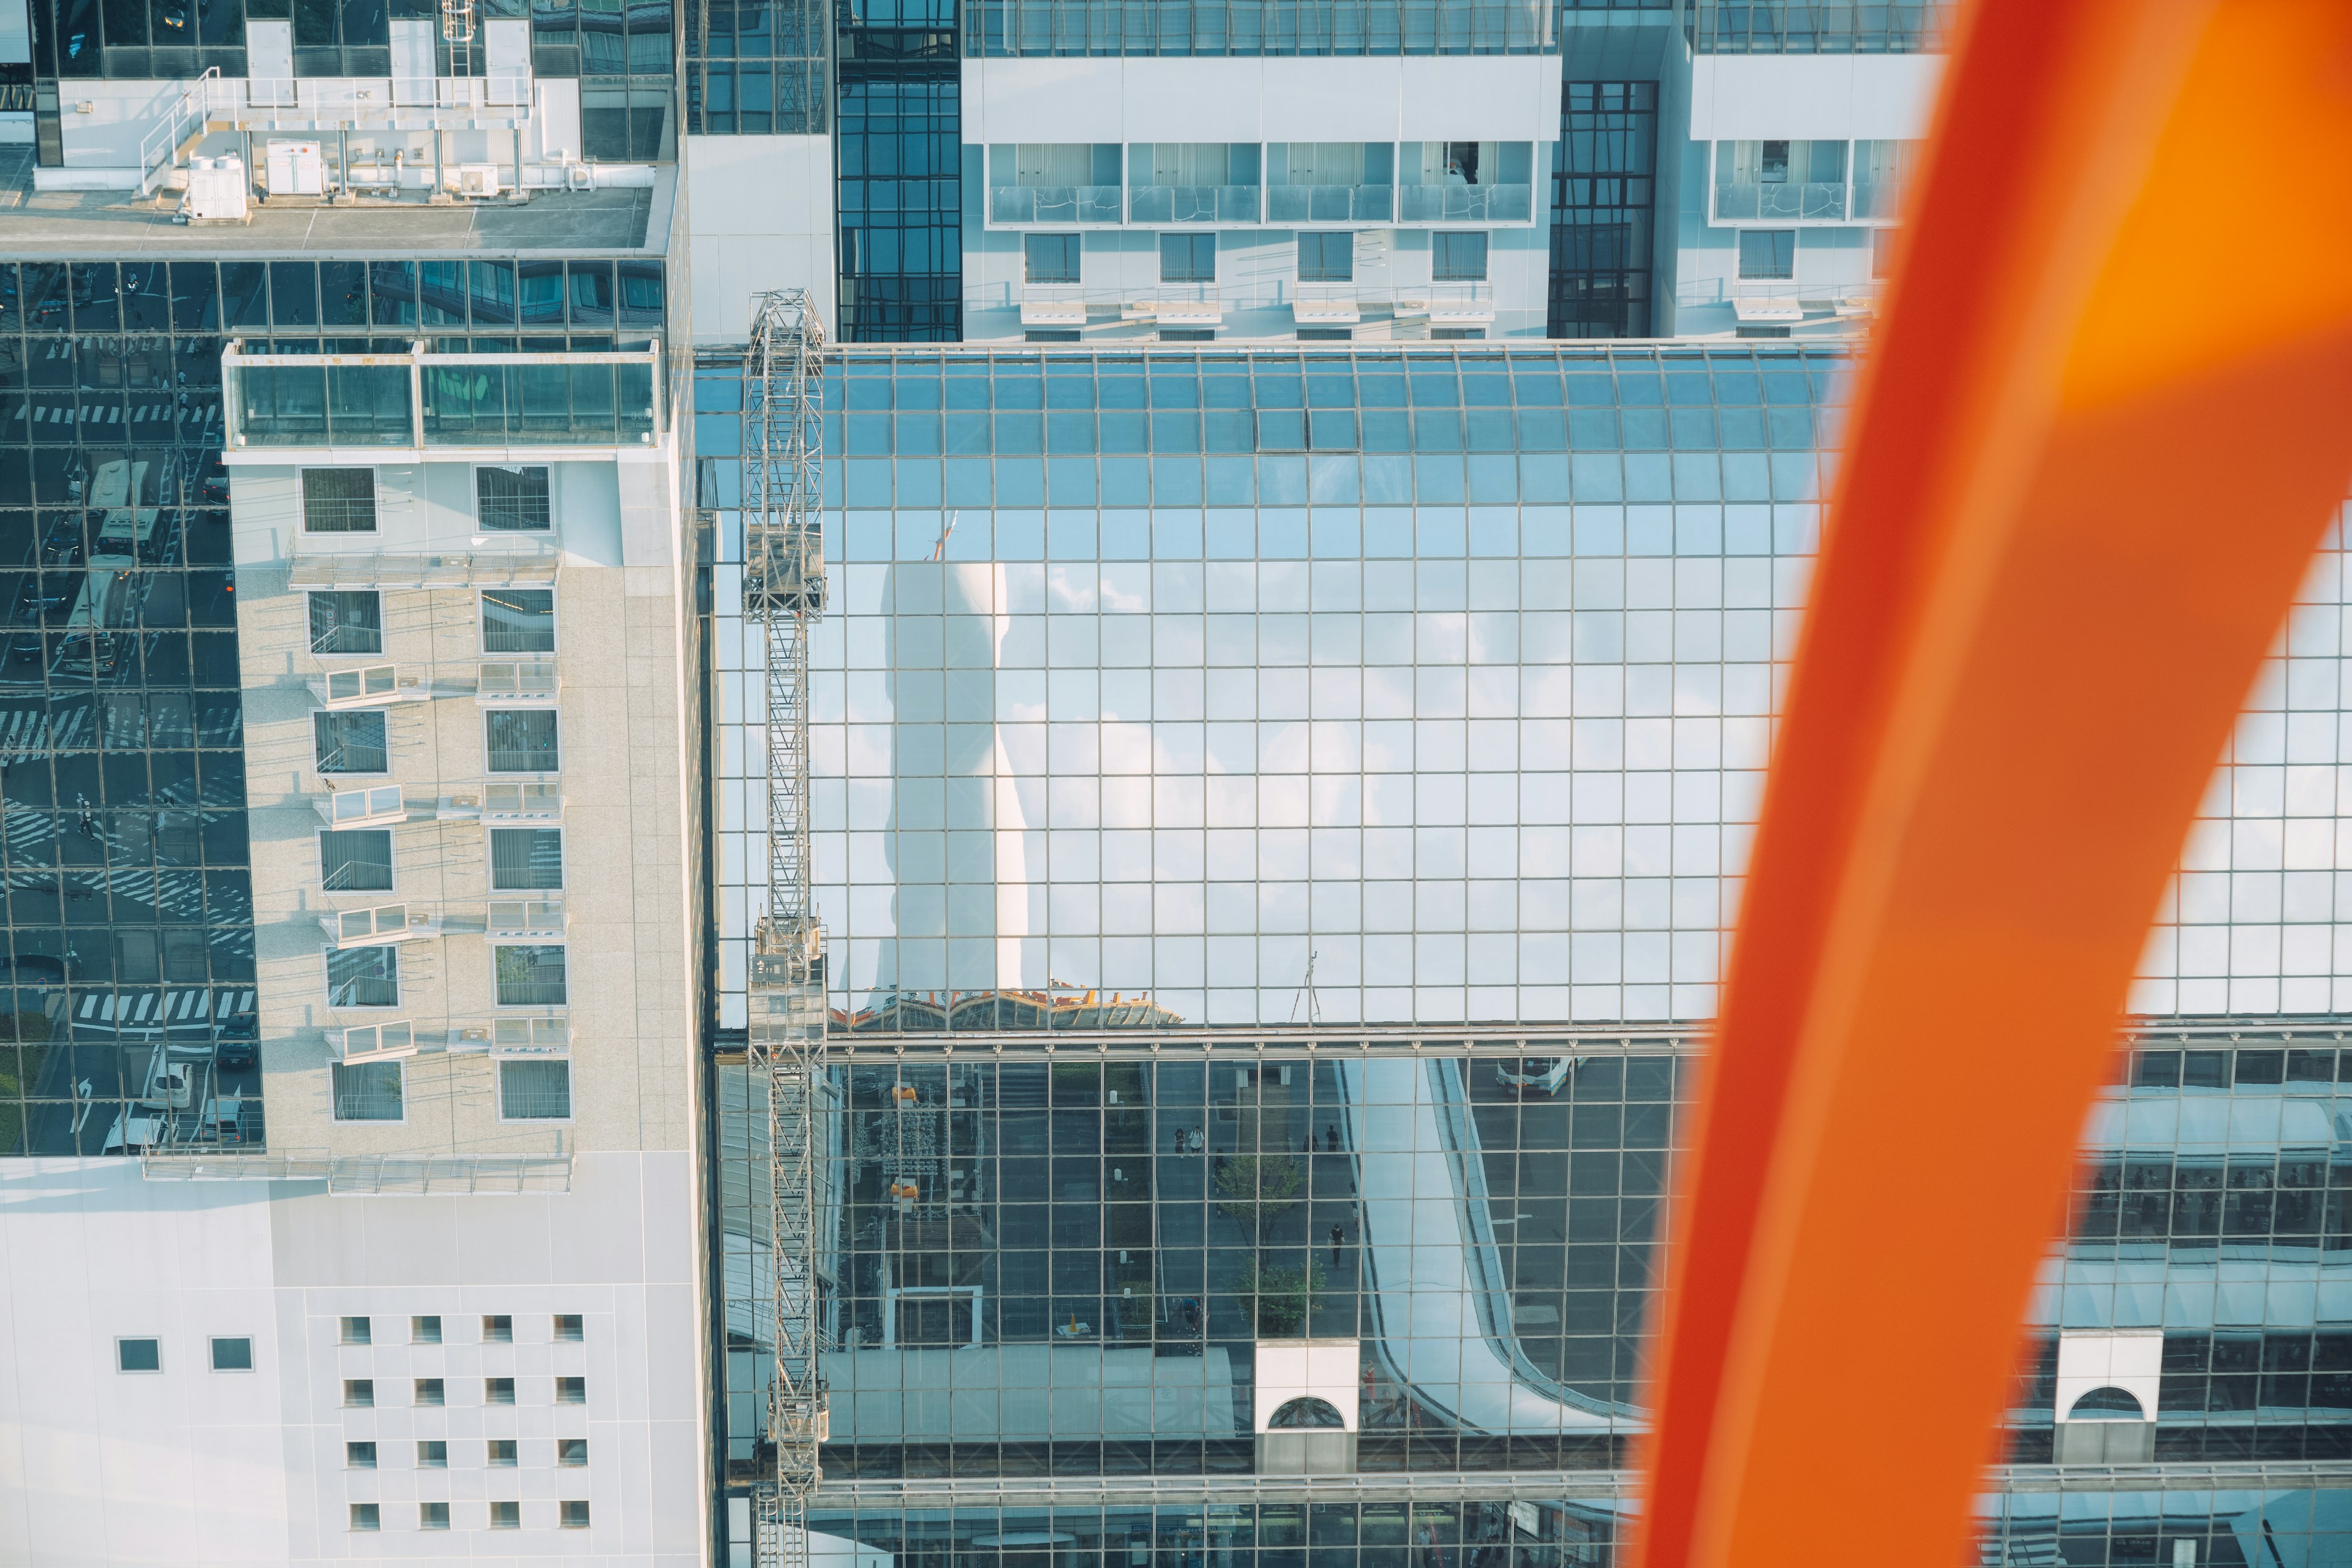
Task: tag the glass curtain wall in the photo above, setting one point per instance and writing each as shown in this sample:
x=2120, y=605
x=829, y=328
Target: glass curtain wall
x=758, y=68
x=128, y=900
x=1818, y=27
x=1605, y=171
x=898, y=147
x=1257, y=27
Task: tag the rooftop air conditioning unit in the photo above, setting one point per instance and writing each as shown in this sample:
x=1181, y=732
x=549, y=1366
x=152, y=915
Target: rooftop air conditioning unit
x=296, y=169
x=216, y=192
x=478, y=179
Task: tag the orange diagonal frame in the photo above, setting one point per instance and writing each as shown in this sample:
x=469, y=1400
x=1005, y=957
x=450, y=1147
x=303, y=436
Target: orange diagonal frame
x=2106, y=421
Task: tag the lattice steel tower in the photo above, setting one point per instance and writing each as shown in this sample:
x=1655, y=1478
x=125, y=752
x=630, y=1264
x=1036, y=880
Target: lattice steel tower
x=783, y=591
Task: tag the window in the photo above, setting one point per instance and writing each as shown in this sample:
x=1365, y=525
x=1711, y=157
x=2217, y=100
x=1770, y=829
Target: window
x=1327, y=258
x=572, y=1391
x=139, y=1355
x=338, y=500
x=1053, y=335
x=367, y=1516
x=433, y=1453
x=1750, y=330
x=351, y=743
x=1306, y=1412
x=359, y=1393
x=1766, y=253
x=526, y=859
x=574, y=1515
x=368, y=1091
x=519, y=620
x=356, y=1332
x=498, y=1331
x=572, y=1453
x=1050, y=258
x=1326, y=334
x=521, y=741
x=1457, y=334
x=511, y=500
x=358, y=1456
x=424, y=1330
x=1458, y=257
x=1186, y=335
x=429, y=1392
x=529, y=976
x=1188, y=258
x=506, y=1515
x=497, y=1390
x=535, y=1091
x=347, y=621
x=502, y=1452
x=568, y=1328
x=355, y=860
x=233, y=1354
x=364, y=977
x=432, y=1516
x=1882, y=252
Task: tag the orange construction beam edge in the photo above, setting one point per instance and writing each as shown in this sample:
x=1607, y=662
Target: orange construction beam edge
x=2105, y=420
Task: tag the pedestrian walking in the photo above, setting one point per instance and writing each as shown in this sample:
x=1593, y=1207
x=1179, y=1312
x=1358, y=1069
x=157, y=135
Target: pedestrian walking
x=1338, y=1237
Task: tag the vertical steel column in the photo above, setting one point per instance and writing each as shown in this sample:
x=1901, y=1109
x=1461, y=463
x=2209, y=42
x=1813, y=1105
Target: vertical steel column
x=783, y=591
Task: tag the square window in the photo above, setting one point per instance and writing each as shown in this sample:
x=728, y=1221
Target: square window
x=233, y=1354
x=364, y=977
x=519, y=620
x=1050, y=258
x=352, y=741
x=432, y=1516
x=574, y=1515
x=497, y=1390
x=526, y=859
x=502, y=1452
x=359, y=1393
x=1188, y=258
x=358, y=1456
x=498, y=1331
x=429, y=1392
x=1768, y=253
x=521, y=741
x=355, y=860
x=356, y=1332
x=506, y=1516
x=424, y=1330
x=338, y=500
x=529, y=976
x=1458, y=257
x=367, y=1516
x=568, y=1329
x=1327, y=258
x=535, y=1091
x=572, y=1391
x=433, y=1453
x=369, y=1091
x=139, y=1355
x=512, y=499
x=347, y=621
x=571, y=1452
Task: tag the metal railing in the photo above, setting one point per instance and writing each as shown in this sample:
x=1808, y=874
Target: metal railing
x=1806, y=201
x=359, y=101
x=1329, y=203
x=1054, y=203
x=364, y=1175
x=1465, y=204
x=1194, y=203
x=159, y=149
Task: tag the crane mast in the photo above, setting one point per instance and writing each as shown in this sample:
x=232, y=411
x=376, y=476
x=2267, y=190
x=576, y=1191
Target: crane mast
x=783, y=593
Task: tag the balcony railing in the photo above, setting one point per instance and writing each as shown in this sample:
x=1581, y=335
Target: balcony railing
x=523, y=803
x=517, y=680
x=1878, y=201
x=372, y=1042
x=349, y=568
x=376, y=806
x=424, y=399
x=373, y=926
x=1466, y=203
x=1052, y=204
x=370, y=686
x=1194, y=203
x=1329, y=203
x=1793, y=202
x=526, y=918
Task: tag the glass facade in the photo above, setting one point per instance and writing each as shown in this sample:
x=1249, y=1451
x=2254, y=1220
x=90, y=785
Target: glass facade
x=757, y=68
x=898, y=147
x=128, y=899
x=1256, y=28
x=1817, y=27
x=1605, y=171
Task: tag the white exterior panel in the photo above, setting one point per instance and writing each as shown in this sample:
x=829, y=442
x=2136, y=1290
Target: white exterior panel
x=1868, y=98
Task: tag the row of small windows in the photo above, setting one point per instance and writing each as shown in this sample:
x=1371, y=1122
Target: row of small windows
x=522, y=859
x=498, y=1328
x=514, y=620
x=359, y=1393
x=235, y=1353
x=529, y=1090
x=526, y=974
x=355, y=741
x=507, y=498
x=1322, y=258
x=368, y=1517
x=498, y=1454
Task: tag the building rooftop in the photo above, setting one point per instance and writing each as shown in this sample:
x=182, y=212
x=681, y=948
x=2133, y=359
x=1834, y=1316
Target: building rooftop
x=119, y=224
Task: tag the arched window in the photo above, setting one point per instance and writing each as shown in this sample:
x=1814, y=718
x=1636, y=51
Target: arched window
x=2109, y=1404
x=1307, y=1411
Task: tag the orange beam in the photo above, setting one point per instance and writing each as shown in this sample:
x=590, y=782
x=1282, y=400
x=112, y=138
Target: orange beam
x=2105, y=422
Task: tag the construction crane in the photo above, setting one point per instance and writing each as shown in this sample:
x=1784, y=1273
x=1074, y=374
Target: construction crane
x=783, y=593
